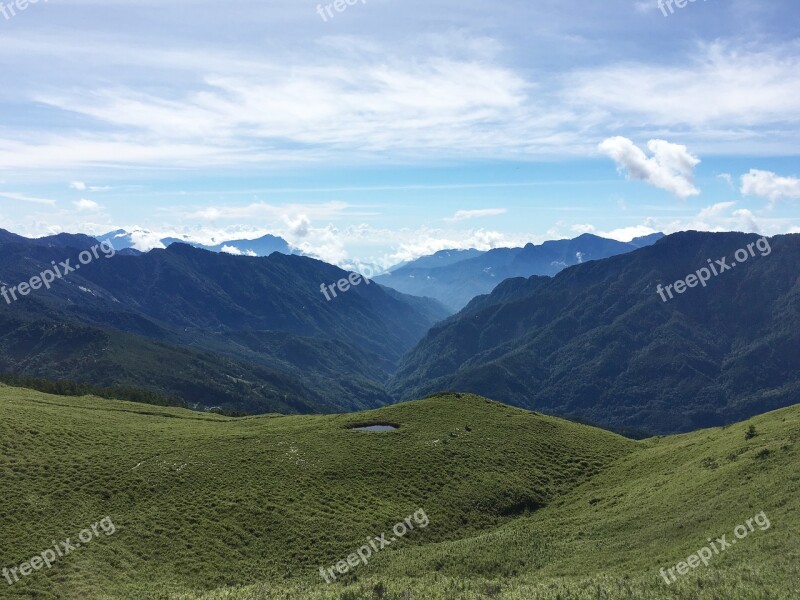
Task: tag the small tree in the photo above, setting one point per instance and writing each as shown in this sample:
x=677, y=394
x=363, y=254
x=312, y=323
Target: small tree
x=750, y=433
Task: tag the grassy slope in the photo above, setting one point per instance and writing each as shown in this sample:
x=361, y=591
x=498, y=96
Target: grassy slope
x=215, y=502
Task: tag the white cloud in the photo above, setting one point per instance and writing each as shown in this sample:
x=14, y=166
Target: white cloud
x=82, y=187
x=715, y=210
x=670, y=168
x=582, y=228
x=626, y=234
x=367, y=101
x=623, y=234
x=724, y=216
x=144, y=240
x=718, y=87
x=257, y=210
x=766, y=184
x=719, y=217
x=412, y=244
x=236, y=252
x=300, y=226
x=746, y=220
x=26, y=198
x=727, y=178
x=463, y=215
x=375, y=101
x=85, y=204
x=383, y=248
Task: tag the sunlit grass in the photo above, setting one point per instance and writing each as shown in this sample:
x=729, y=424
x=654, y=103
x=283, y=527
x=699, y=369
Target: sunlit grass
x=520, y=505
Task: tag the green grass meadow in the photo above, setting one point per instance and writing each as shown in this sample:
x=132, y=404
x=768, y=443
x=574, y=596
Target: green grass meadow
x=520, y=505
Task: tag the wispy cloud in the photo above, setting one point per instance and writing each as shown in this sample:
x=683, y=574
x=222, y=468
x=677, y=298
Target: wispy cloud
x=463, y=215
x=452, y=98
x=26, y=198
x=325, y=210
x=727, y=178
x=82, y=187
x=718, y=85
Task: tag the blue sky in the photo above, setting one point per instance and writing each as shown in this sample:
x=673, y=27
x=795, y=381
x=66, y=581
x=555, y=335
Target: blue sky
x=395, y=129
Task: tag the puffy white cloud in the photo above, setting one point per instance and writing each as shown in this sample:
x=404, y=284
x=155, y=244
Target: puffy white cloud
x=300, y=226
x=670, y=168
x=766, y=184
x=236, y=252
x=78, y=185
x=463, y=215
x=144, y=240
x=86, y=204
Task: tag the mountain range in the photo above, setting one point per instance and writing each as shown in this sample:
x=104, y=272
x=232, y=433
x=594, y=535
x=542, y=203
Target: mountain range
x=123, y=240
x=454, y=277
x=242, y=333
x=597, y=342
x=594, y=342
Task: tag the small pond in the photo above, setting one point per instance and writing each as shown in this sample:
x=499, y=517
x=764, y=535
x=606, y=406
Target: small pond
x=379, y=428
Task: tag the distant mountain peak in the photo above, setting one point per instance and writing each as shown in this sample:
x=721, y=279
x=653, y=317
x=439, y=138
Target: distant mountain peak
x=454, y=277
x=143, y=239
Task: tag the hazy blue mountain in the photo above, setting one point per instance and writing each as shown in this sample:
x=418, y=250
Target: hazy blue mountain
x=442, y=258
x=597, y=342
x=455, y=282
x=60, y=240
x=263, y=246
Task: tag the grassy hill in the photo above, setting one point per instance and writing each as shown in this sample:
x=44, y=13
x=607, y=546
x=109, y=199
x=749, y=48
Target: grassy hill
x=520, y=505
